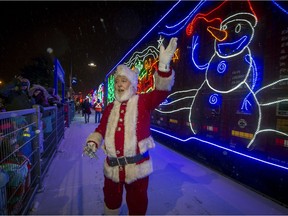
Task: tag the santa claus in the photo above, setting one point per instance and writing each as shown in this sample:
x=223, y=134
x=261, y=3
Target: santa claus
x=124, y=134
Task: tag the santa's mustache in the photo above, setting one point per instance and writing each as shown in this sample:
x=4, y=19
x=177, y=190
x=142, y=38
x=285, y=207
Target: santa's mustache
x=123, y=95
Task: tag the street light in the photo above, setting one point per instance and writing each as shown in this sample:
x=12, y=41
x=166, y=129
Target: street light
x=92, y=64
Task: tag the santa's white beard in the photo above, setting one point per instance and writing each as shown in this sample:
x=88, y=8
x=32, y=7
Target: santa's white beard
x=125, y=95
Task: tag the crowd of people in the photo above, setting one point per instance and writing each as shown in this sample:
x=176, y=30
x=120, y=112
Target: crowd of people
x=16, y=133
x=85, y=108
x=18, y=95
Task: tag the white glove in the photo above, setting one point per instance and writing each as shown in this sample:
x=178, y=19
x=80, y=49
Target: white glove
x=90, y=150
x=165, y=55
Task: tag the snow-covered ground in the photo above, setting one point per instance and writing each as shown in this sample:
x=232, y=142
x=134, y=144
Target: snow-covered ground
x=178, y=186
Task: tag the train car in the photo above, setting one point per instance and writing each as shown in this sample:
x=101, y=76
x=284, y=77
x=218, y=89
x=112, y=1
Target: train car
x=229, y=106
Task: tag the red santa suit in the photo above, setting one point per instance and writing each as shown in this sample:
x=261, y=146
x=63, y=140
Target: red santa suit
x=125, y=130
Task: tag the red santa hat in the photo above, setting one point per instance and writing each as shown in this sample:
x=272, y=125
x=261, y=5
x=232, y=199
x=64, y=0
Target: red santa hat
x=225, y=10
x=132, y=75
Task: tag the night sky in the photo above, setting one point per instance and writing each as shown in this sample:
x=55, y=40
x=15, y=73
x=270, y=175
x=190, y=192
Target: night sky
x=78, y=32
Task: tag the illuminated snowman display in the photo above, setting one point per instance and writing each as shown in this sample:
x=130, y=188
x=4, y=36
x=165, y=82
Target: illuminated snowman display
x=231, y=82
x=228, y=101
x=230, y=75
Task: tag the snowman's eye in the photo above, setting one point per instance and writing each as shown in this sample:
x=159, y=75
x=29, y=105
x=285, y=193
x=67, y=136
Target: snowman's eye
x=224, y=27
x=238, y=28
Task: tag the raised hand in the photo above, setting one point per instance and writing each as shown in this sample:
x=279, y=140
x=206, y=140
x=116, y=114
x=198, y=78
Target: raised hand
x=166, y=55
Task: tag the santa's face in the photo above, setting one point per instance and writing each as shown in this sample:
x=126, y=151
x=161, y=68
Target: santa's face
x=123, y=88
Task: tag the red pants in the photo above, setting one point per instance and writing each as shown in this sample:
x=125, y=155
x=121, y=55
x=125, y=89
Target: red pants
x=136, y=195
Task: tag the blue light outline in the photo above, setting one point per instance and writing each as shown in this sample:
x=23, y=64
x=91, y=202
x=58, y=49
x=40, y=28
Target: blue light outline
x=194, y=45
x=186, y=19
x=142, y=38
x=190, y=138
x=280, y=7
x=221, y=147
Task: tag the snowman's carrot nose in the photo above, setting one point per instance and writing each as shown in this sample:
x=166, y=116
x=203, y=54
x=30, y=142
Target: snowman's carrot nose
x=218, y=34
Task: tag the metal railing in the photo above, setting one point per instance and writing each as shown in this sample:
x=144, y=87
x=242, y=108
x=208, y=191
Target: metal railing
x=28, y=142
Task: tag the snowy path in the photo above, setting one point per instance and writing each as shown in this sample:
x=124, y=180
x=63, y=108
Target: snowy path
x=178, y=186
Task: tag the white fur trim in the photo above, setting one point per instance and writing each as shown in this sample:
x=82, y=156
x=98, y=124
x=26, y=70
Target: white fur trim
x=164, y=83
x=132, y=75
x=146, y=144
x=110, y=132
x=95, y=137
x=138, y=171
x=130, y=123
x=132, y=171
x=108, y=211
x=111, y=172
x=38, y=87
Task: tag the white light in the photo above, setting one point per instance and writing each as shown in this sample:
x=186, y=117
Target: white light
x=49, y=50
x=92, y=64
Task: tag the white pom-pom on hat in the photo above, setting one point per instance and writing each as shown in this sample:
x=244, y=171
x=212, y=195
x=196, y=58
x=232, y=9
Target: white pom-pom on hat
x=132, y=75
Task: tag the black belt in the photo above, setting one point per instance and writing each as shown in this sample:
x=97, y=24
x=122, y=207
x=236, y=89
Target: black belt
x=121, y=161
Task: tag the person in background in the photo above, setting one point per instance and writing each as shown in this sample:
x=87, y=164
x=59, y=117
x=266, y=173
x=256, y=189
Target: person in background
x=98, y=111
x=53, y=98
x=78, y=106
x=82, y=108
x=2, y=106
x=125, y=127
x=86, y=110
x=15, y=94
x=40, y=95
